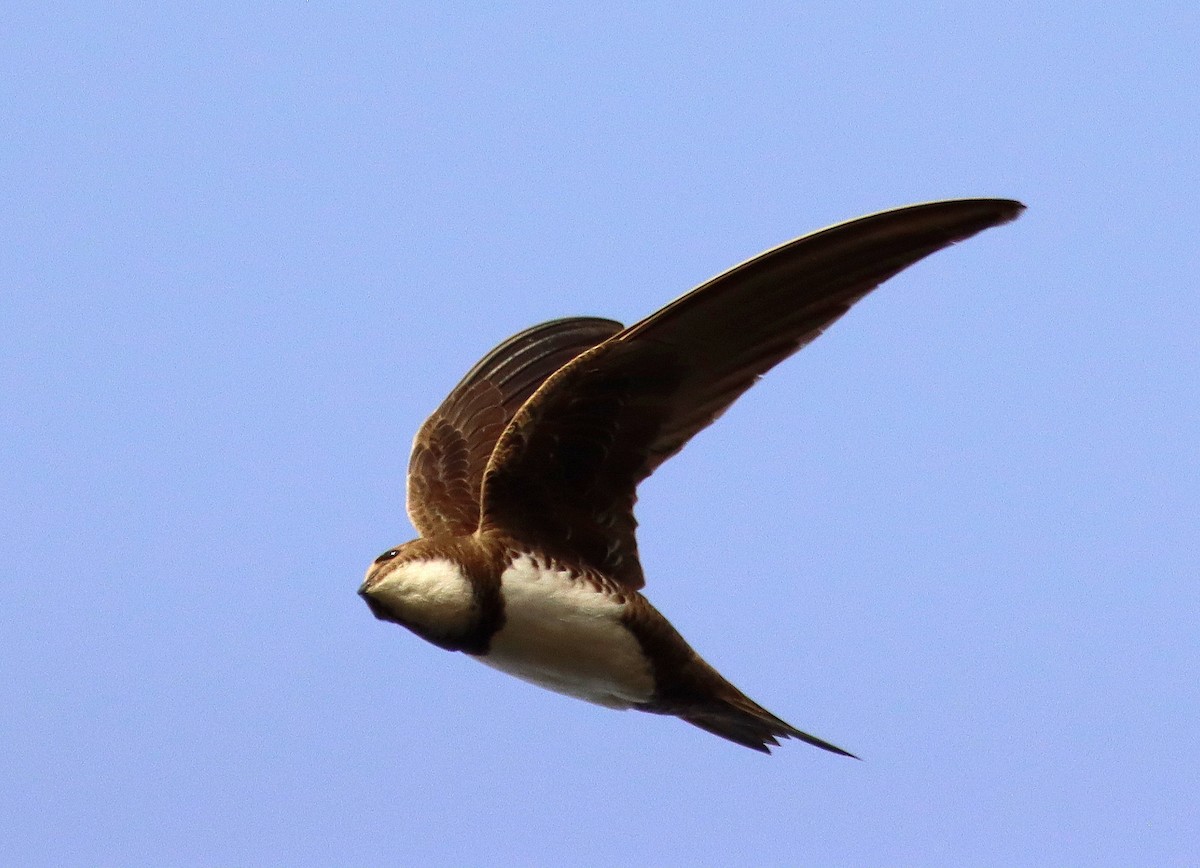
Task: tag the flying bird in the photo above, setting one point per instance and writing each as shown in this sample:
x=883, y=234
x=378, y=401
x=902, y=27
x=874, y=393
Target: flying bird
x=522, y=483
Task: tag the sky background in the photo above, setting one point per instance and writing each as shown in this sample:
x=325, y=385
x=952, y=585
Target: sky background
x=248, y=247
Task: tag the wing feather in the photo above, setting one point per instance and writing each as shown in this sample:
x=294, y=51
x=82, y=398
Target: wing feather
x=564, y=472
x=452, y=447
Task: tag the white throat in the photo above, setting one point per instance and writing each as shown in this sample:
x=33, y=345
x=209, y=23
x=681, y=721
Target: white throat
x=429, y=593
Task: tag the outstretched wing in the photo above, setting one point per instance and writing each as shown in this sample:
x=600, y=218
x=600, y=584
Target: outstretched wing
x=452, y=448
x=564, y=473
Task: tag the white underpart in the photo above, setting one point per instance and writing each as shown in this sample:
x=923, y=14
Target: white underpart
x=432, y=593
x=563, y=635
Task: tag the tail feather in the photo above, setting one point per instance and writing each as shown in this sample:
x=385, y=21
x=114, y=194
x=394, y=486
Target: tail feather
x=744, y=722
x=689, y=688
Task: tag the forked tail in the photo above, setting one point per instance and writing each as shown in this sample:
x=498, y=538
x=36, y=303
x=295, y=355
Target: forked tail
x=745, y=722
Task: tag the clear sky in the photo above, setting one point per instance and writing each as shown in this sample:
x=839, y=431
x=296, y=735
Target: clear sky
x=248, y=247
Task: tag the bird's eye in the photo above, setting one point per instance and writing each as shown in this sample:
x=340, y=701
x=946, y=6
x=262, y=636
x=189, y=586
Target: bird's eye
x=387, y=556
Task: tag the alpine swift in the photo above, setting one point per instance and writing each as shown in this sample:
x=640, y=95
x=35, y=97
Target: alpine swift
x=522, y=483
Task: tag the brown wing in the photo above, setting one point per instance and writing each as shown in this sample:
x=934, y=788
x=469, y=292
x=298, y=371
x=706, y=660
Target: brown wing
x=451, y=449
x=564, y=473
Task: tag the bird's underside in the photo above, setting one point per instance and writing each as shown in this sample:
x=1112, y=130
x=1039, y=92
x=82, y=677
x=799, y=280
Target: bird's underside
x=522, y=483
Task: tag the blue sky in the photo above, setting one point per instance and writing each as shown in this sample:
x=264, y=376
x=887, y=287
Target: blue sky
x=248, y=247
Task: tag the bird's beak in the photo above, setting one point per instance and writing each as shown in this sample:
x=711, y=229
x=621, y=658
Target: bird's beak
x=369, y=591
x=371, y=579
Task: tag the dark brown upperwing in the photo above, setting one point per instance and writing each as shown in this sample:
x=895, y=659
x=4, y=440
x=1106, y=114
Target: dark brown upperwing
x=740, y=324
x=451, y=450
x=564, y=473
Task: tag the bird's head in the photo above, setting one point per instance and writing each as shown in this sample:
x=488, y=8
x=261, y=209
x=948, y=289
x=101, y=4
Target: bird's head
x=421, y=588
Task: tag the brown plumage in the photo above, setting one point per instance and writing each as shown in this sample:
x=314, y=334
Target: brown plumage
x=540, y=448
x=452, y=448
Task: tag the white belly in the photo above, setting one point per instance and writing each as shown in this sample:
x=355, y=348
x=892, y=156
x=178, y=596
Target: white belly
x=566, y=637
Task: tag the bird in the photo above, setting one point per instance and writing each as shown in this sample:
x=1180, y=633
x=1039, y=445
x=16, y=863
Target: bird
x=522, y=483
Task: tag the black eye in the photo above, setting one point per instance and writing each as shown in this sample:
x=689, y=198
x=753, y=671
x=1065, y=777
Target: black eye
x=387, y=556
